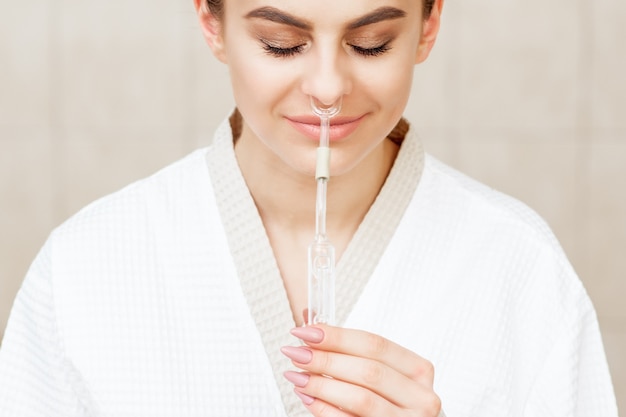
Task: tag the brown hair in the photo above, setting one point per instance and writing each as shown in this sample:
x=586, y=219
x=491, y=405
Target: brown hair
x=216, y=7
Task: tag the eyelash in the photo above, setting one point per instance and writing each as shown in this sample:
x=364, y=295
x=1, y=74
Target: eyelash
x=289, y=52
x=282, y=52
x=376, y=51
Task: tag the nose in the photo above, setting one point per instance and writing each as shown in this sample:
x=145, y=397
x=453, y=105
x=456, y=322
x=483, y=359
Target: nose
x=327, y=76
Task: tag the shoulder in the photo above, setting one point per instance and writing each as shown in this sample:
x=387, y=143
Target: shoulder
x=169, y=181
x=179, y=186
x=481, y=205
x=492, y=241
x=489, y=259
x=165, y=200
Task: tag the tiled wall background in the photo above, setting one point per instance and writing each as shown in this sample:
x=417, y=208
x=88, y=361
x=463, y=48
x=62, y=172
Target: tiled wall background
x=528, y=96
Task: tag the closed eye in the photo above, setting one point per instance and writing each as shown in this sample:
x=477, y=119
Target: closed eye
x=376, y=51
x=281, y=52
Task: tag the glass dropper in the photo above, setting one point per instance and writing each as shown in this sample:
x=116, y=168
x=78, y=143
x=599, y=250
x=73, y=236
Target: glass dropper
x=321, y=256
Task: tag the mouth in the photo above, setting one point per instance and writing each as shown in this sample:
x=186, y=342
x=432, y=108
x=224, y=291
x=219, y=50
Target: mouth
x=340, y=126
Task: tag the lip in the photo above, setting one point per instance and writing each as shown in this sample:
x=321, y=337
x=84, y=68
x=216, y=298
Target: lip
x=340, y=126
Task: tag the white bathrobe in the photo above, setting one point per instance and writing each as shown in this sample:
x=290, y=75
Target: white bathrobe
x=164, y=299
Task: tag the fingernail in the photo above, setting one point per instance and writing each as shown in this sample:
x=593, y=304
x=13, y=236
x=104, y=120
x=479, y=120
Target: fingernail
x=305, y=398
x=297, y=378
x=308, y=334
x=298, y=354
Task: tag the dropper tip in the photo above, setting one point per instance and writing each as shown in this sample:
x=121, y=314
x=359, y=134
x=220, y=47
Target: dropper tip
x=322, y=110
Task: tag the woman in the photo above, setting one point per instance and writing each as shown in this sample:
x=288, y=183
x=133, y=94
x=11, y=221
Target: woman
x=183, y=294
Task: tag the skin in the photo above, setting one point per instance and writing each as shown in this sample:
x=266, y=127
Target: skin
x=279, y=54
x=371, y=376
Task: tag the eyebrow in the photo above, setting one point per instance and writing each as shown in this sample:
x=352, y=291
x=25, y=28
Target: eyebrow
x=378, y=15
x=274, y=15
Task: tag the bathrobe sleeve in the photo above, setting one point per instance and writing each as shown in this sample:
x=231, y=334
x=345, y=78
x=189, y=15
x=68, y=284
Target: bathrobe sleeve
x=574, y=380
x=36, y=379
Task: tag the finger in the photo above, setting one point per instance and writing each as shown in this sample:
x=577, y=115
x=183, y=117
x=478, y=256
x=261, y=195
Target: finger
x=368, y=373
x=367, y=345
x=334, y=397
x=321, y=408
x=354, y=399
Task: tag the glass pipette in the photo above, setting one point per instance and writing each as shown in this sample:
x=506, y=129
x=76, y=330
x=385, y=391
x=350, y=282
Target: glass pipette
x=321, y=251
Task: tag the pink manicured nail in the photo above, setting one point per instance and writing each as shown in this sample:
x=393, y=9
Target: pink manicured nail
x=297, y=378
x=308, y=334
x=305, y=398
x=298, y=354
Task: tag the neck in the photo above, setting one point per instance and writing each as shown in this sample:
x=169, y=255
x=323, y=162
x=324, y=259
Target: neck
x=285, y=197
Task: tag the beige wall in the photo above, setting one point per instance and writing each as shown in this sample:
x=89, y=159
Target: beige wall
x=528, y=96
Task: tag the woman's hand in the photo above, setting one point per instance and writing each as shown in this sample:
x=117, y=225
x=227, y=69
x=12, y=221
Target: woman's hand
x=355, y=373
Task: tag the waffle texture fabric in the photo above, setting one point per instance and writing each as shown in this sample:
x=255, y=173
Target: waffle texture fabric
x=136, y=306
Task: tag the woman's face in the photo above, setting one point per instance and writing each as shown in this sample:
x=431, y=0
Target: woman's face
x=281, y=52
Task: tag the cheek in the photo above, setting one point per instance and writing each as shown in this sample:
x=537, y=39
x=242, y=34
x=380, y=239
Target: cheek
x=255, y=75
x=248, y=79
x=388, y=78
x=258, y=94
x=389, y=85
